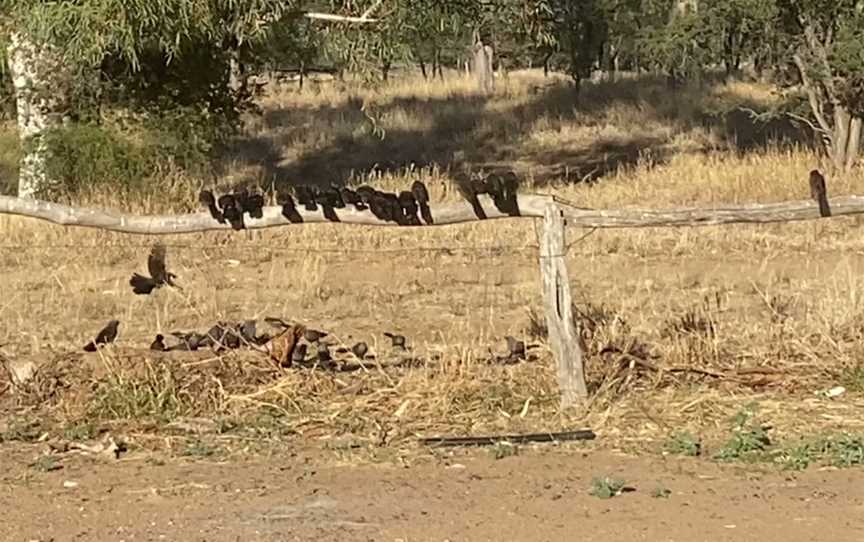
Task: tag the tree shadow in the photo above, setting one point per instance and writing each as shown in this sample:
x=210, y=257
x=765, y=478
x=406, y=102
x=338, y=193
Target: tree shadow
x=497, y=133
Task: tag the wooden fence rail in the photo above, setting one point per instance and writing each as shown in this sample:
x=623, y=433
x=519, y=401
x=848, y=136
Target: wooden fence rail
x=563, y=336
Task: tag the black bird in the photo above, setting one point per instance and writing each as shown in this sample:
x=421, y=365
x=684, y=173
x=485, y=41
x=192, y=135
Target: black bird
x=819, y=192
x=408, y=206
x=350, y=197
x=254, y=205
x=222, y=337
x=502, y=189
x=469, y=190
x=360, y=349
x=515, y=347
x=206, y=198
x=159, y=343
x=159, y=275
x=422, y=197
x=329, y=199
x=313, y=335
x=394, y=208
x=306, y=197
x=299, y=354
x=289, y=210
x=105, y=336
x=398, y=341
x=232, y=211
x=324, y=355
x=188, y=341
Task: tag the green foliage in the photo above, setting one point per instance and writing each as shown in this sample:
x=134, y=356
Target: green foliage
x=749, y=439
x=606, y=488
x=683, y=443
x=843, y=450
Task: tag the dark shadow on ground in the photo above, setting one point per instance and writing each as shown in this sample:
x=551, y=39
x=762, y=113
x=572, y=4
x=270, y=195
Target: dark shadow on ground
x=485, y=138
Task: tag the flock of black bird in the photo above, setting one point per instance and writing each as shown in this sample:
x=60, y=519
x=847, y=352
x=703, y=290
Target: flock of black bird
x=406, y=208
x=232, y=335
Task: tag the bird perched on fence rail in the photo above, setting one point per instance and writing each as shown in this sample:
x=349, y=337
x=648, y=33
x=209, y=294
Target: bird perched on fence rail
x=819, y=192
x=159, y=274
x=421, y=195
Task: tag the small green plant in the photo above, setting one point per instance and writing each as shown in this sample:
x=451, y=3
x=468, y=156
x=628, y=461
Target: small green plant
x=199, y=448
x=749, y=439
x=852, y=378
x=22, y=430
x=80, y=431
x=504, y=449
x=46, y=463
x=683, y=443
x=661, y=493
x=606, y=488
x=846, y=450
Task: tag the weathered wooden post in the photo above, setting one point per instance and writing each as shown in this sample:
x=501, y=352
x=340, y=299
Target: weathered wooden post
x=559, y=310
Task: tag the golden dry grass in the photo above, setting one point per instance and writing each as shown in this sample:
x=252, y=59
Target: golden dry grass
x=785, y=298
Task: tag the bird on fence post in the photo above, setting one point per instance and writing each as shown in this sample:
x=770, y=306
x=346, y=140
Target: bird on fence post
x=818, y=192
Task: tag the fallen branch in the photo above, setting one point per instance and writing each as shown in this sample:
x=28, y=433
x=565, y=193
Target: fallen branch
x=453, y=213
x=440, y=442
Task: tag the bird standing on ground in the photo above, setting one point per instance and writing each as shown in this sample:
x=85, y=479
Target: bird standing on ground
x=159, y=343
x=105, y=336
x=360, y=349
x=159, y=275
x=313, y=335
x=515, y=347
x=819, y=192
x=397, y=341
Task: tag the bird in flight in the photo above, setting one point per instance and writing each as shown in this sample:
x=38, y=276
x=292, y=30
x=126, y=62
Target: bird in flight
x=159, y=275
x=105, y=336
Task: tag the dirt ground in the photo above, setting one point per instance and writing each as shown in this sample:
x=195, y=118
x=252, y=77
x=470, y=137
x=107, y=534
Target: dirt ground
x=539, y=494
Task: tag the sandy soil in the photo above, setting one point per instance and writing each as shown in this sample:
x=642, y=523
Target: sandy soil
x=536, y=495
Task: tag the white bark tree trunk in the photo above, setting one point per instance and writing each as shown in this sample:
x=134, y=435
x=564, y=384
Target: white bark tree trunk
x=853, y=147
x=39, y=100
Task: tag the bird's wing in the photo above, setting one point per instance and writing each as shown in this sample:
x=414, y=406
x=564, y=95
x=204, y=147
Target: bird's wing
x=156, y=263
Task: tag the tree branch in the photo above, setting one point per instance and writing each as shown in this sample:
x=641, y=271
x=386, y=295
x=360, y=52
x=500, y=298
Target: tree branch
x=812, y=97
x=338, y=18
x=453, y=213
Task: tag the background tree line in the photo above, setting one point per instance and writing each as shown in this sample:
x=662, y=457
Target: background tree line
x=79, y=75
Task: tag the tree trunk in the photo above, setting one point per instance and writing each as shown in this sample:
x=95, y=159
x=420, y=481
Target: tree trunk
x=853, y=146
x=482, y=65
x=840, y=137
x=40, y=94
x=423, y=69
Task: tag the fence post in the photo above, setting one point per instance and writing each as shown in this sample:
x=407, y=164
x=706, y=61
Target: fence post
x=559, y=311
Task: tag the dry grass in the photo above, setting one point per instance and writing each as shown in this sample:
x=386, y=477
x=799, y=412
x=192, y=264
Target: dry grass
x=784, y=298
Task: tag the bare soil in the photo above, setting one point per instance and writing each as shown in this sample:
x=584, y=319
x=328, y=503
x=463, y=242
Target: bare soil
x=540, y=494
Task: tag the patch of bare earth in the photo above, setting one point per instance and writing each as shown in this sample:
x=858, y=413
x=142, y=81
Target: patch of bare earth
x=538, y=495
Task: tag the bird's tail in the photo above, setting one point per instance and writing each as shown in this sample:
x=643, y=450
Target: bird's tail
x=824, y=208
